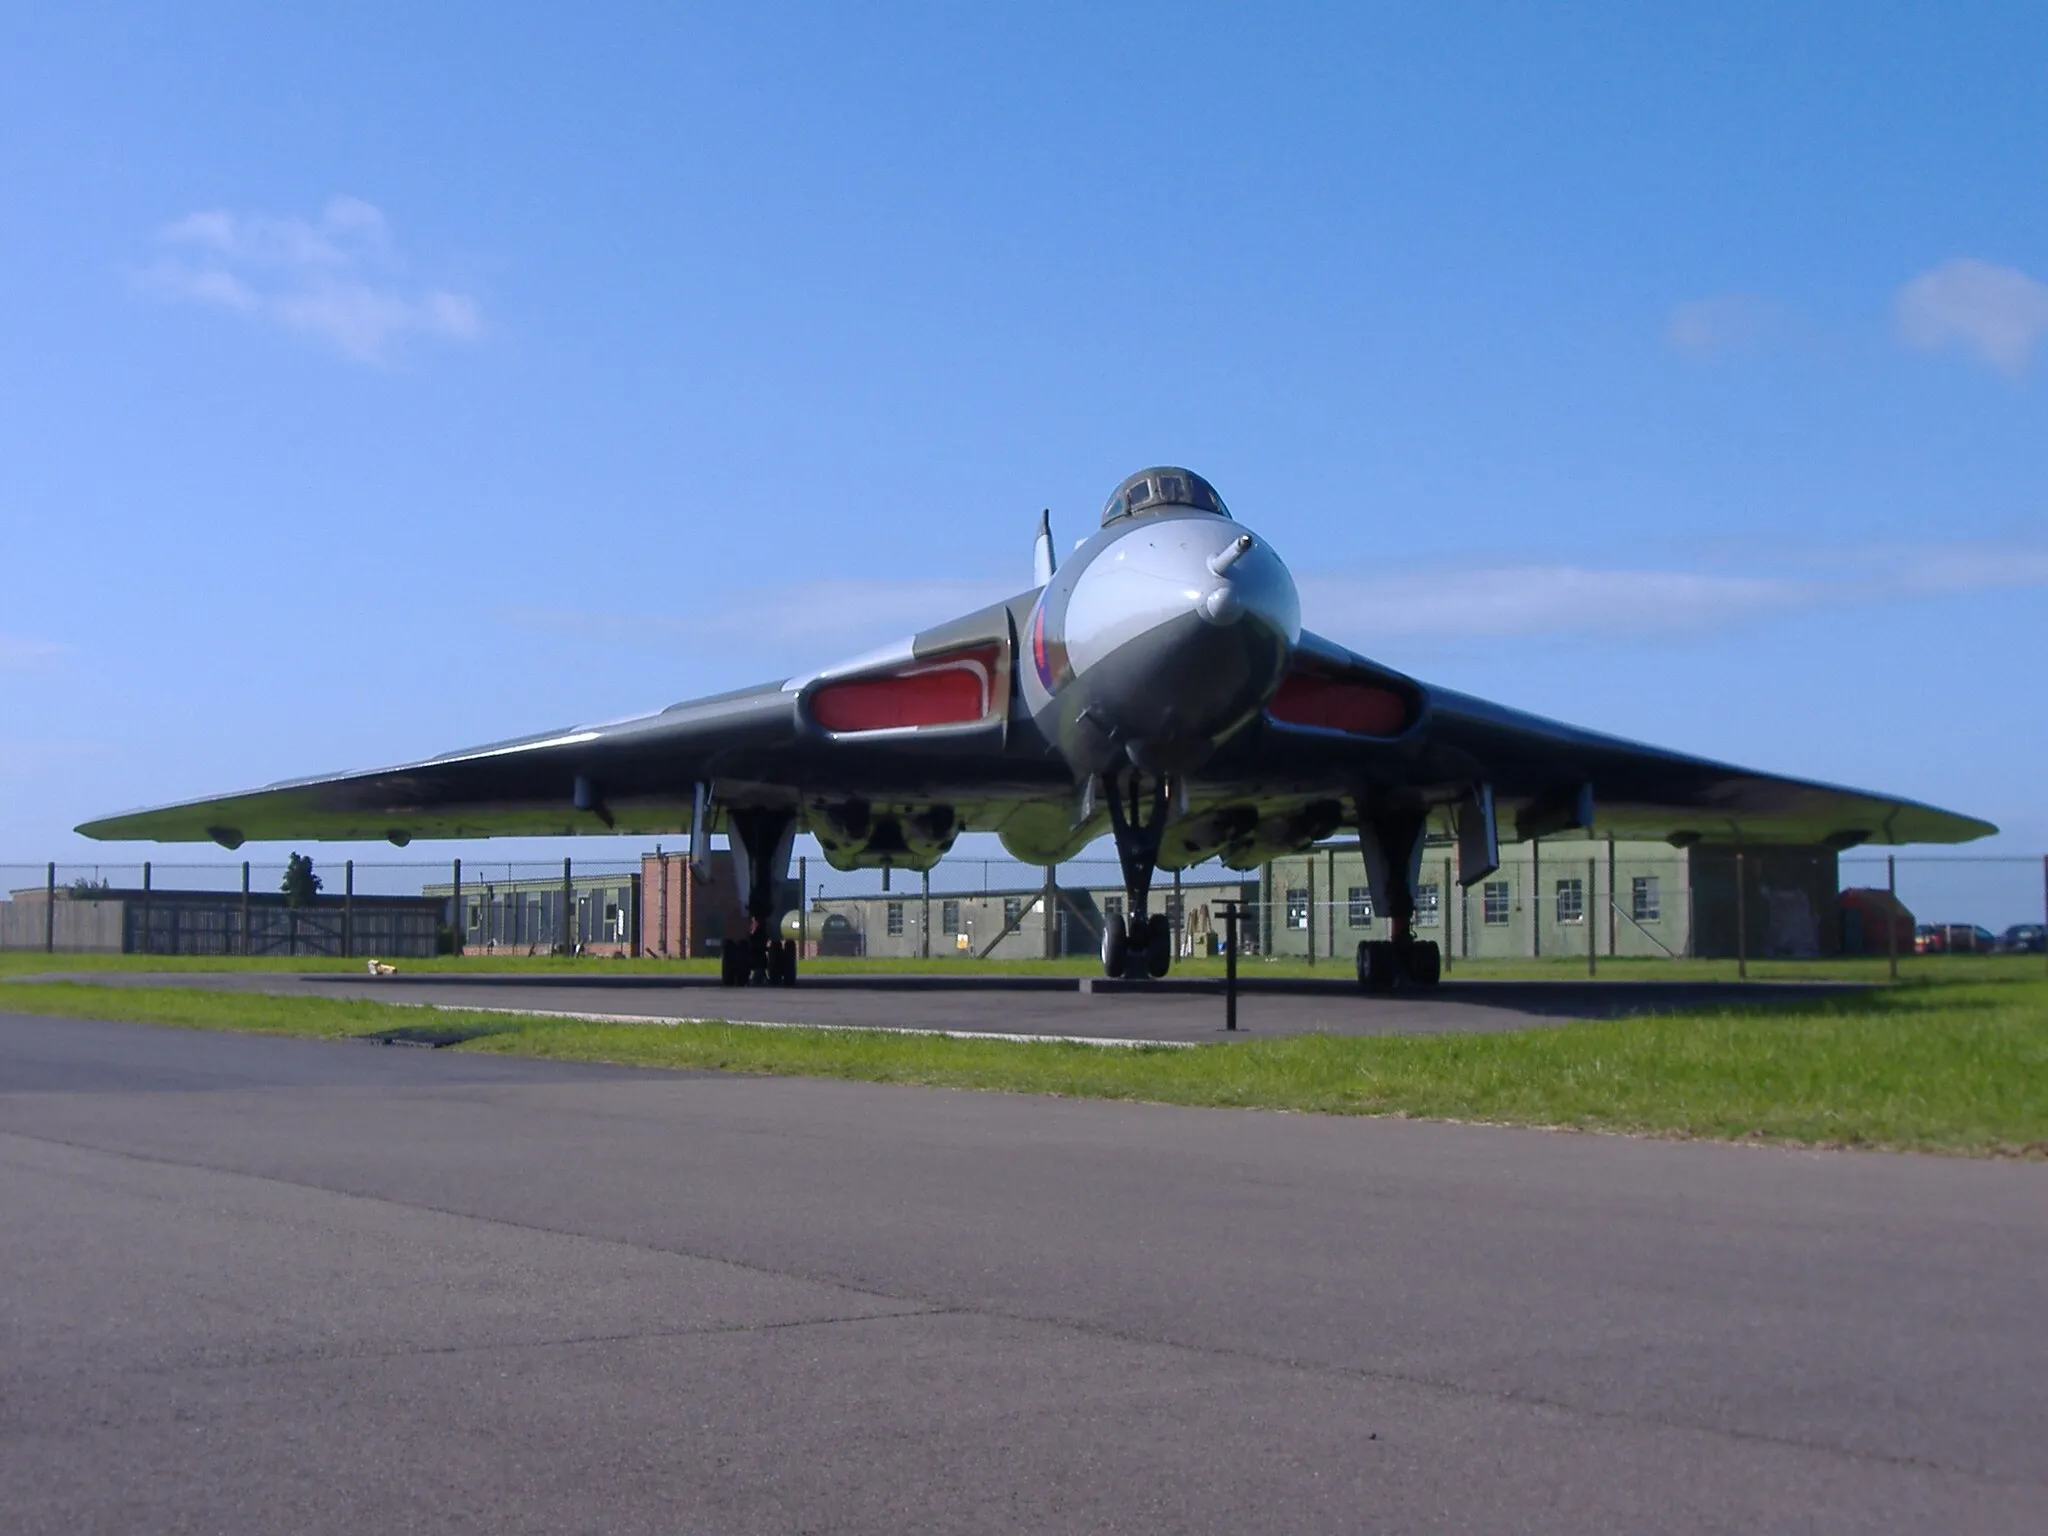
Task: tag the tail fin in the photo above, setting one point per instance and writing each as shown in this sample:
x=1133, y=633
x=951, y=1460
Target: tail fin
x=1042, y=562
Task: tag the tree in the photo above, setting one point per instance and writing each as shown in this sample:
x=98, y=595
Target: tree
x=301, y=885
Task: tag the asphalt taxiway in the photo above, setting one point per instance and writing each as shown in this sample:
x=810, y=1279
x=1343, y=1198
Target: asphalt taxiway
x=1172, y=1010
x=259, y=1284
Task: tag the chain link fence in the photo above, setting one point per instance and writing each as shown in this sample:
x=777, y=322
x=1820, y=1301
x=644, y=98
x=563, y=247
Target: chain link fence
x=1548, y=900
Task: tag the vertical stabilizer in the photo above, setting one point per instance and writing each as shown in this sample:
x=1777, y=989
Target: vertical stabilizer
x=1041, y=553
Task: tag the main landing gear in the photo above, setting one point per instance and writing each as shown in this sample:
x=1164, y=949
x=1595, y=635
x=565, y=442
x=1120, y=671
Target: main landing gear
x=1392, y=844
x=1140, y=944
x=761, y=839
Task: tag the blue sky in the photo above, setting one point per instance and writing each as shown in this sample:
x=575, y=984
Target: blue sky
x=380, y=380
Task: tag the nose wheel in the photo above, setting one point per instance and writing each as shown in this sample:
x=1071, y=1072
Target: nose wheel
x=1139, y=945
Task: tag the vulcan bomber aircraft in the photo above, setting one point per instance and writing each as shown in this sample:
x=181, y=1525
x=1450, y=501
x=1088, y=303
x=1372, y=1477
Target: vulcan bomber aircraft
x=1157, y=685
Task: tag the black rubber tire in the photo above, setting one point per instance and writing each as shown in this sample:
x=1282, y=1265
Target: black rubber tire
x=728, y=964
x=1158, y=946
x=1116, y=947
x=1377, y=962
x=785, y=963
x=1426, y=964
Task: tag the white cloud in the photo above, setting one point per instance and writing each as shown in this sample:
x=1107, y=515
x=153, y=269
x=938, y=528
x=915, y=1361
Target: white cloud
x=17, y=655
x=1539, y=601
x=1729, y=322
x=1997, y=313
x=337, y=280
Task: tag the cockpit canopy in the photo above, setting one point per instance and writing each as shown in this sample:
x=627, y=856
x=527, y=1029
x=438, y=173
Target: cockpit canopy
x=1156, y=489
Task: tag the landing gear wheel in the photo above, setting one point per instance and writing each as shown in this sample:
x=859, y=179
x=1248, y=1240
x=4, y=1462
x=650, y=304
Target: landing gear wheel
x=1116, y=946
x=1425, y=963
x=1158, y=945
x=1377, y=959
x=731, y=965
x=782, y=963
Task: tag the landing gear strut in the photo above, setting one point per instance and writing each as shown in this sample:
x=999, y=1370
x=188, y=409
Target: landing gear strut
x=1392, y=844
x=761, y=839
x=1140, y=944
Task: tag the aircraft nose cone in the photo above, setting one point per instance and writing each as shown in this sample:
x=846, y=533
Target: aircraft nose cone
x=1246, y=580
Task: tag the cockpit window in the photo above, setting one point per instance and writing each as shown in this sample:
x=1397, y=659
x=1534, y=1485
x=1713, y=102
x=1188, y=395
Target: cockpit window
x=1159, y=489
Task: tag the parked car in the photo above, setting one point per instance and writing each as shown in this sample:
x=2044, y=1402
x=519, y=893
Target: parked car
x=2023, y=939
x=1953, y=939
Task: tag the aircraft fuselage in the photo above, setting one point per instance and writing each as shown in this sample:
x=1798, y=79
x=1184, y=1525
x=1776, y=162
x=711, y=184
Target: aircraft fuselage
x=1160, y=637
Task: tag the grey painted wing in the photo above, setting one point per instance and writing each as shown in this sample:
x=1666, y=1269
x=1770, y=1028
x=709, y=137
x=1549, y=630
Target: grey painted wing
x=639, y=771
x=1539, y=770
x=1645, y=791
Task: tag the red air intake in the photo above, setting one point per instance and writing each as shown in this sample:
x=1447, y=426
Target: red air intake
x=1330, y=704
x=950, y=690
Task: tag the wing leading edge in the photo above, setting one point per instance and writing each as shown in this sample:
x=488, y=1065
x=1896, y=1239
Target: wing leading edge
x=1543, y=773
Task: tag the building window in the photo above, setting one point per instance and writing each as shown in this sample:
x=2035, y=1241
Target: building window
x=1176, y=914
x=1361, y=905
x=1494, y=903
x=1113, y=906
x=895, y=919
x=1297, y=906
x=1643, y=899
x=949, y=916
x=1571, y=901
x=1425, y=906
x=1013, y=911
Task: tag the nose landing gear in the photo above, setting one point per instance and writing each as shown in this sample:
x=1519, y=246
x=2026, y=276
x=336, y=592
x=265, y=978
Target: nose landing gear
x=1139, y=945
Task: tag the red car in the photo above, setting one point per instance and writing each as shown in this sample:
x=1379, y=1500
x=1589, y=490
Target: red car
x=1953, y=939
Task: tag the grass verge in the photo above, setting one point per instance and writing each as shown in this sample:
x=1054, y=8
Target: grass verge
x=1958, y=1068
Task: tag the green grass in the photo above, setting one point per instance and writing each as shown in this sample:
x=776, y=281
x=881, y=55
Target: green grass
x=1959, y=1066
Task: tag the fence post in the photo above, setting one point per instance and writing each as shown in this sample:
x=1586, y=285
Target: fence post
x=50, y=909
x=1741, y=918
x=458, y=920
x=566, y=936
x=1330, y=880
x=661, y=898
x=1535, y=901
x=1047, y=903
x=1613, y=896
x=924, y=916
x=1586, y=913
x=689, y=945
x=2044, y=896
x=1308, y=866
x=1891, y=916
x=246, y=934
x=348, y=908
x=1443, y=906
x=148, y=946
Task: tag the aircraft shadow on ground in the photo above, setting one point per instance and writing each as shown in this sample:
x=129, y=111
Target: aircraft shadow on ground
x=1564, y=999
